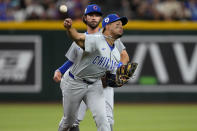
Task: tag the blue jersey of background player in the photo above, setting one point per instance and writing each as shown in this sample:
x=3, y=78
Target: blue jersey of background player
x=91, y=18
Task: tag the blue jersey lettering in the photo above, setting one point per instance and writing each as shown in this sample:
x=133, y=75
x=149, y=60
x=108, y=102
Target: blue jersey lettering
x=105, y=62
x=101, y=60
x=106, y=65
x=95, y=60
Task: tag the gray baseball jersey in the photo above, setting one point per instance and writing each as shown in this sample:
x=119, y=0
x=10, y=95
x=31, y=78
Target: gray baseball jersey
x=94, y=66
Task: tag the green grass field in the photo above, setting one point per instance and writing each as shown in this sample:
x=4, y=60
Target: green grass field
x=128, y=117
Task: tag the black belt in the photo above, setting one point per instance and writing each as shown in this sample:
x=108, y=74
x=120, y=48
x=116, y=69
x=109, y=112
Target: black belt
x=85, y=81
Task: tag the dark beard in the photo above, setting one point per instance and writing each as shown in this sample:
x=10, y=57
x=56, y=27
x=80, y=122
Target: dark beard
x=118, y=36
x=92, y=25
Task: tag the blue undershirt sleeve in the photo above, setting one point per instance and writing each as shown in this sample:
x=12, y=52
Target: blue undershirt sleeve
x=65, y=66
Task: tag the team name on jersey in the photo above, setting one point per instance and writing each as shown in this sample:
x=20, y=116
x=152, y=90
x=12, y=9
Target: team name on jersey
x=105, y=62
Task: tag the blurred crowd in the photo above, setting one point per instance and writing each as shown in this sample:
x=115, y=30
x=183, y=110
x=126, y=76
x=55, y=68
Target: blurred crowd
x=166, y=10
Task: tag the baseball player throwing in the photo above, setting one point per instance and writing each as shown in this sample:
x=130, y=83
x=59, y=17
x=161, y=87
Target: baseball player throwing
x=83, y=80
x=92, y=18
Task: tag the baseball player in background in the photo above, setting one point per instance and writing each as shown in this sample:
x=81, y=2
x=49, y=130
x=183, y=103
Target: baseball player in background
x=91, y=18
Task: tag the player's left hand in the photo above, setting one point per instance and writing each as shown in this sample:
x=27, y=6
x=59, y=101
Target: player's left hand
x=121, y=77
x=57, y=76
x=126, y=71
x=68, y=23
x=112, y=80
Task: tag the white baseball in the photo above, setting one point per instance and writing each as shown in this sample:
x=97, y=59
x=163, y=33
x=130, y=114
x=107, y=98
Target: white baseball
x=63, y=8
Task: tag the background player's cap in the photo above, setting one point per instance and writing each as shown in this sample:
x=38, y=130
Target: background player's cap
x=93, y=9
x=112, y=18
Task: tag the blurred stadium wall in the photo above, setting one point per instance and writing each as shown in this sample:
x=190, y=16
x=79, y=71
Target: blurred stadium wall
x=31, y=51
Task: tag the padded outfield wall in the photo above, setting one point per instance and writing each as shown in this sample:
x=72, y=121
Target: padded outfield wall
x=30, y=52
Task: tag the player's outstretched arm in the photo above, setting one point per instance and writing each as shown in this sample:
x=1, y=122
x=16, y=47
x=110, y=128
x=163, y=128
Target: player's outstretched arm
x=79, y=38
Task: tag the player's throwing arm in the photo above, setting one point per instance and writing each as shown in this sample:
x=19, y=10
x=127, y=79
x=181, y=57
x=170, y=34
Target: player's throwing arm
x=79, y=38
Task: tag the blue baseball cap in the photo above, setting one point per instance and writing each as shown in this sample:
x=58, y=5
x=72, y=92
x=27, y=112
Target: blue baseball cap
x=112, y=18
x=93, y=9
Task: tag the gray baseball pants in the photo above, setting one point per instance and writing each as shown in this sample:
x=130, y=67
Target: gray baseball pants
x=74, y=91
